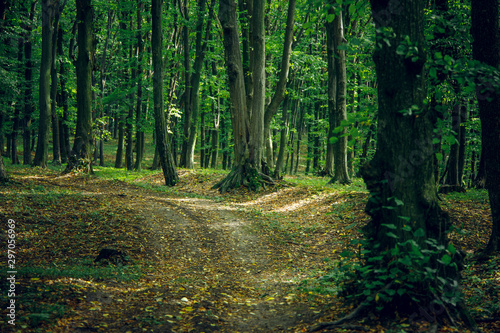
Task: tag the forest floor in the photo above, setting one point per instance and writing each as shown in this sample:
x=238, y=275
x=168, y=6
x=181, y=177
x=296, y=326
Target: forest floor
x=198, y=261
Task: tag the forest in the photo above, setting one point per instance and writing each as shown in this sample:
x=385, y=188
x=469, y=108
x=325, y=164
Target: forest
x=250, y=165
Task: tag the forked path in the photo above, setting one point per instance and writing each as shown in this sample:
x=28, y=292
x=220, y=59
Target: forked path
x=213, y=271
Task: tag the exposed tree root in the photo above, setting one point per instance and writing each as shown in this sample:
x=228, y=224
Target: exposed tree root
x=338, y=323
x=244, y=175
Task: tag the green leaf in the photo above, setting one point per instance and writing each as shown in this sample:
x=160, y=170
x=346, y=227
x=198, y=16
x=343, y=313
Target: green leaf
x=452, y=249
x=419, y=233
x=390, y=226
x=446, y=260
x=352, y=9
x=439, y=157
x=401, y=291
x=390, y=234
x=401, y=50
x=399, y=202
x=433, y=72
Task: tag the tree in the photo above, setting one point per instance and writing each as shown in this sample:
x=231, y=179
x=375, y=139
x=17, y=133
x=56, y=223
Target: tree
x=42, y=149
x=81, y=153
x=248, y=125
x=279, y=93
x=484, y=15
x=192, y=93
x=403, y=205
x=162, y=141
x=28, y=89
x=3, y=173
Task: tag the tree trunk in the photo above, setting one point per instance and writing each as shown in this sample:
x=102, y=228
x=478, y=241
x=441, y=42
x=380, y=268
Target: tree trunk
x=485, y=48
x=452, y=175
x=247, y=128
x=17, y=110
x=56, y=148
x=403, y=205
x=139, y=132
x=340, y=145
x=186, y=116
x=121, y=141
x=283, y=140
x=81, y=154
x=162, y=141
x=280, y=90
x=3, y=173
x=332, y=95
x=42, y=149
x=28, y=90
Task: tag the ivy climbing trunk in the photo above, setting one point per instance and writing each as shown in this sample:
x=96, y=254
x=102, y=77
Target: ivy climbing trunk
x=403, y=205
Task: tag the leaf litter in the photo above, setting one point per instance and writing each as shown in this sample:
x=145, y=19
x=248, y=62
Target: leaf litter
x=199, y=261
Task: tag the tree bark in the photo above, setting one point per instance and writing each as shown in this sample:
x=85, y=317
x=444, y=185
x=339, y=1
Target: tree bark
x=400, y=176
x=332, y=95
x=341, y=173
x=3, y=173
x=162, y=141
x=486, y=49
x=139, y=132
x=81, y=154
x=279, y=93
x=28, y=90
x=56, y=148
x=247, y=127
x=42, y=149
x=195, y=78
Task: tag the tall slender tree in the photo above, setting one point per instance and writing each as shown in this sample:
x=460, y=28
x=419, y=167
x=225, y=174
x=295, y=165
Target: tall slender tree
x=162, y=139
x=42, y=149
x=28, y=81
x=81, y=153
x=339, y=108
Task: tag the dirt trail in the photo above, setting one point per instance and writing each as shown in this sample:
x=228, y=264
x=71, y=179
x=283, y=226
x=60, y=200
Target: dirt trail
x=214, y=272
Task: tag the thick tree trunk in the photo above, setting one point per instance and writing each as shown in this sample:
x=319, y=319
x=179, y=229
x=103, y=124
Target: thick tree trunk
x=81, y=154
x=42, y=149
x=484, y=14
x=162, y=141
x=247, y=128
x=404, y=206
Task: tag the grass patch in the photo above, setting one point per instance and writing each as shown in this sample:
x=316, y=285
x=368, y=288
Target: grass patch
x=86, y=269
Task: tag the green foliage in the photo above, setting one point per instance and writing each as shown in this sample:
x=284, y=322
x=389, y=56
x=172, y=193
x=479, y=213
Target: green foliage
x=403, y=275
